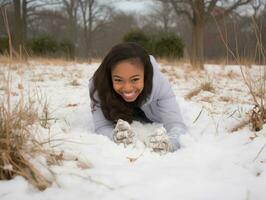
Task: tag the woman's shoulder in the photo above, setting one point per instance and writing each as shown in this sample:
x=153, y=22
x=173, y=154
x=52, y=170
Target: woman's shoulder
x=154, y=63
x=158, y=76
x=91, y=84
x=160, y=83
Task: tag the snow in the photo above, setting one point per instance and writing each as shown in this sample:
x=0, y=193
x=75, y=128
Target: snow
x=213, y=163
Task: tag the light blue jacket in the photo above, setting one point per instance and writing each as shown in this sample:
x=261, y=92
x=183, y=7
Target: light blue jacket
x=160, y=107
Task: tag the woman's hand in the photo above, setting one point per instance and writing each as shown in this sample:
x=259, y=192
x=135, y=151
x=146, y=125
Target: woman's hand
x=123, y=133
x=159, y=142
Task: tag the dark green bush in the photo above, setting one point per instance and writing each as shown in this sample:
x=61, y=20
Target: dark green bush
x=163, y=44
x=66, y=48
x=138, y=37
x=168, y=45
x=45, y=45
x=4, y=46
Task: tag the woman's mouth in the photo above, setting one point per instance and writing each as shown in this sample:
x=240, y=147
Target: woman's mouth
x=129, y=96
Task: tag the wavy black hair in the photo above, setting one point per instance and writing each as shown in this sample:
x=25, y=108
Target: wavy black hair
x=113, y=106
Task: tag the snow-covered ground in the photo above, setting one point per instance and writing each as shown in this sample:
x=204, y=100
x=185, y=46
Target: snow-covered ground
x=213, y=163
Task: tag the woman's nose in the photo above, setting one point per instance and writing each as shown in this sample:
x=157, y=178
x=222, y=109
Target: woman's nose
x=127, y=87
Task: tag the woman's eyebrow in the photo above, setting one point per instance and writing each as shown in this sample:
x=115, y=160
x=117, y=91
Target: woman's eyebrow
x=134, y=76
x=116, y=76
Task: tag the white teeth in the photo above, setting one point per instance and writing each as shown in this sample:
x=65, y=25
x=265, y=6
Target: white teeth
x=129, y=94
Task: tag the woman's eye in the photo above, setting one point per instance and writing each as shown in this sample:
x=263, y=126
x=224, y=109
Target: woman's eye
x=135, y=79
x=117, y=80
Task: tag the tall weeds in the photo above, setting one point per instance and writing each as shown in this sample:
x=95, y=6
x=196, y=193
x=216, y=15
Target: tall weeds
x=17, y=144
x=256, y=83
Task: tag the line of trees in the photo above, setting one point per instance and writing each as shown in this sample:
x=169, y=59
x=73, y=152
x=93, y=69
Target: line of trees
x=93, y=26
x=199, y=13
x=66, y=19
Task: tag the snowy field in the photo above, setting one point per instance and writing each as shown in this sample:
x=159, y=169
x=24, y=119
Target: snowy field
x=213, y=163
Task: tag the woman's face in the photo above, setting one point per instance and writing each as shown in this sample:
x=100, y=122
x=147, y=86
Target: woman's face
x=128, y=79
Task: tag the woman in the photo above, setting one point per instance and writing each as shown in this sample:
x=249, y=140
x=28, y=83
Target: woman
x=129, y=86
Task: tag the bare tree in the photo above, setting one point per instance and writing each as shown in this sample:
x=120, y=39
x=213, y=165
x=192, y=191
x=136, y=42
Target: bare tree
x=19, y=25
x=47, y=22
x=4, y=3
x=199, y=12
x=93, y=15
x=21, y=10
x=164, y=16
x=5, y=6
x=71, y=9
x=113, y=32
x=257, y=6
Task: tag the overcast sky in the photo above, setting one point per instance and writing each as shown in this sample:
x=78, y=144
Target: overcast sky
x=137, y=6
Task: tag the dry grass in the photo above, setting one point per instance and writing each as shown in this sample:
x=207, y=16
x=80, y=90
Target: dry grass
x=257, y=118
x=16, y=62
x=255, y=85
x=17, y=143
x=240, y=126
x=223, y=61
x=206, y=99
x=185, y=61
x=232, y=75
x=53, y=61
x=5, y=60
x=74, y=83
x=192, y=93
x=46, y=117
x=72, y=105
x=175, y=62
x=17, y=117
x=204, y=86
x=37, y=79
x=207, y=86
x=46, y=61
x=225, y=99
x=257, y=90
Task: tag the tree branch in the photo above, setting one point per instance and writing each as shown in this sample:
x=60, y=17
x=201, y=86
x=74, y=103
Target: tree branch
x=182, y=11
x=231, y=8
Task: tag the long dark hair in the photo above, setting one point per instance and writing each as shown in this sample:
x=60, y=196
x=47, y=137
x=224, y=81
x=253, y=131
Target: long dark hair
x=114, y=107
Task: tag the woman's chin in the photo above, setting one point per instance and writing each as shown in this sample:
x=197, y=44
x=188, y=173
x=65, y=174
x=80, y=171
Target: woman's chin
x=129, y=99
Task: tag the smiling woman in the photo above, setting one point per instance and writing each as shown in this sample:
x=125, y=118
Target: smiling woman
x=128, y=86
x=128, y=79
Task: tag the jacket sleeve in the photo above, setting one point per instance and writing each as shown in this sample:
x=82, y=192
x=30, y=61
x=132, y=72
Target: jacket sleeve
x=169, y=110
x=172, y=120
x=101, y=124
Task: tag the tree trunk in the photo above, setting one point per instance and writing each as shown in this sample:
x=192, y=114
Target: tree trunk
x=18, y=39
x=24, y=22
x=73, y=37
x=71, y=9
x=197, y=57
x=90, y=32
x=20, y=31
